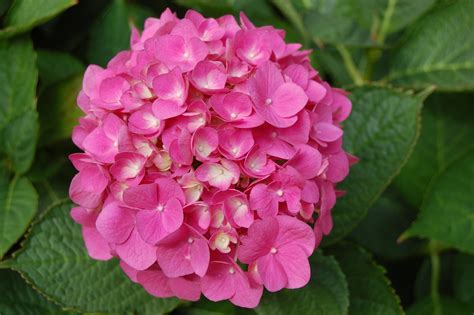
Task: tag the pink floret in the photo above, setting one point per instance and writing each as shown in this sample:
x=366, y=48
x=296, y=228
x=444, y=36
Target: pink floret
x=211, y=153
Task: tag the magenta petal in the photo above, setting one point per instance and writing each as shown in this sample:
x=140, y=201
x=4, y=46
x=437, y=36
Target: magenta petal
x=259, y=240
x=218, y=284
x=263, y=201
x=155, y=283
x=328, y=132
x=142, y=196
x=295, y=263
x=307, y=161
x=136, y=252
x=150, y=226
x=247, y=293
x=288, y=100
x=273, y=275
x=186, y=288
x=294, y=231
x=200, y=256
x=97, y=247
x=115, y=223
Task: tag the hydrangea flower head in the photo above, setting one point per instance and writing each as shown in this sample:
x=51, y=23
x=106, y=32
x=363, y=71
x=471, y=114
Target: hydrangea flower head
x=211, y=154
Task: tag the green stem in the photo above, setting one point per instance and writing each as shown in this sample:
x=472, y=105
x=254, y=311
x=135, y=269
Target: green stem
x=289, y=11
x=387, y=18
x=350, y=65
x=435, y=273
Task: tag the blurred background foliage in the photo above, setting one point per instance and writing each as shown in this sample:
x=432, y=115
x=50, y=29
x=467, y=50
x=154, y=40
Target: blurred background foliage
x=410, y=201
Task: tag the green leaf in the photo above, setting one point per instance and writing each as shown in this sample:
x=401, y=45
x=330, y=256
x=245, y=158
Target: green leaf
x=381, y=132
x=26, y=14
x=54, y=259
x=422, y=60
x=334, y=22
x=446, y=135
x=55, y=66
x=399, y=13
x=370, y=291
x=18, y=205
x=20, y=137
x=361, y=22
x=447, y=213
x=18, y=298
x=58, y=110
x=389, y=217
x=449, y=306
x=326, y=293
x=111, y=32
x=18, y=122
x=463, y=280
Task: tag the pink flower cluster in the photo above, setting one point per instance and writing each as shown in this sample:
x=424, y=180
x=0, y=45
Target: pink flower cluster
x=210, y=150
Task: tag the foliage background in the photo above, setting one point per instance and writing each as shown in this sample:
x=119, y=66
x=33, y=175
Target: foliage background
x=403, y=239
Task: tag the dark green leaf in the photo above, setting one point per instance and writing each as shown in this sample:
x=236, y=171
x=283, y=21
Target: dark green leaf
x=381, y=131
x=449, y=306
x=26, y=14
x=463, y=279
x=382, y=226
x=18, y=205
x=447, y=213
x=19, y=140
x=447, y=132
x=58, y=110
x=370, y=291
x=54, y=259
x=18, y=122
x=55, y=66
x=326, y=293
x=111, y=32
x=439, y=50
x=18, y=298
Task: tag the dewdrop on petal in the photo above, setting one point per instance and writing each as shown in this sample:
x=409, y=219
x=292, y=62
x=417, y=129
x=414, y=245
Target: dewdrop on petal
x=211, y=153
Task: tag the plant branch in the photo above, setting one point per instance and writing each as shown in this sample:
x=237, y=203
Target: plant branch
x=350, y=65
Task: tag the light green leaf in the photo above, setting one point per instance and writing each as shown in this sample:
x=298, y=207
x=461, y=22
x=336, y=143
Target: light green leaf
x=447, y=213
x=18, y=298
x=18, y=123
x=449, y=306
x=26, y=14
x=370, y=291
x=446, y=135
x=389, y=217
x=381, y=132
x=438, y=50
x=54, y=259
x=58, y=110
x=55, y=66
x=326, y=293
x=18, y=205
